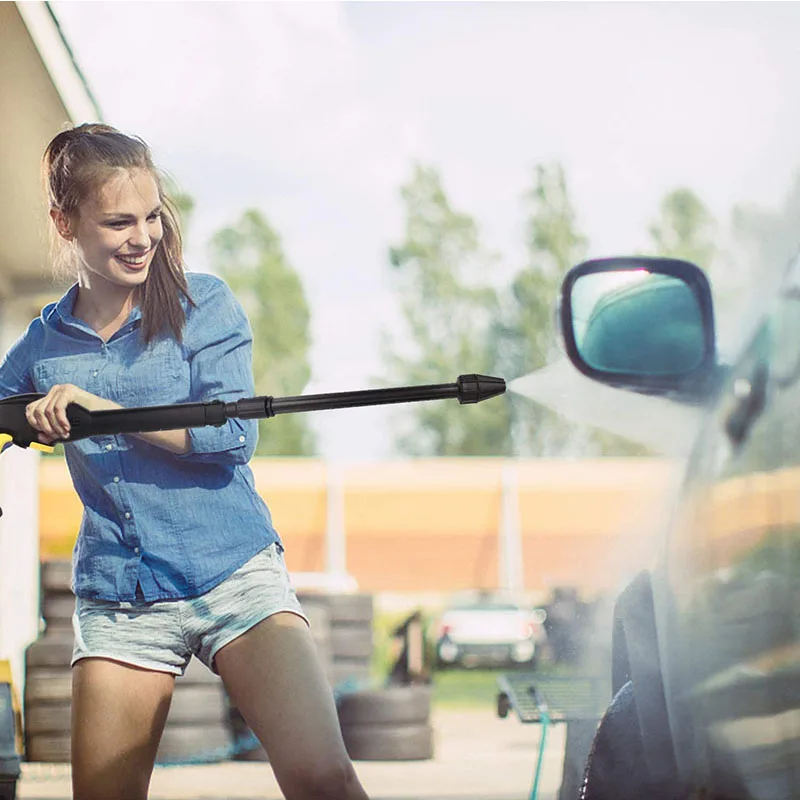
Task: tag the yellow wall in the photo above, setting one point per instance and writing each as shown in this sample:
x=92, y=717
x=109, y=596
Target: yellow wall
x=433, y=524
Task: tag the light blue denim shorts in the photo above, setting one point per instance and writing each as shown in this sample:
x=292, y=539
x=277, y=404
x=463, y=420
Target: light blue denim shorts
x=163, y=635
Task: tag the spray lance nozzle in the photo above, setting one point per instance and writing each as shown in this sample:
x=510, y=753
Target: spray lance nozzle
x=474, y=388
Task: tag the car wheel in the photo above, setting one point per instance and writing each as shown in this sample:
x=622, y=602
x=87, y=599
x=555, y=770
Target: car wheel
x=635, y=659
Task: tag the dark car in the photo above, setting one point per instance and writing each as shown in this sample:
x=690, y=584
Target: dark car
x=706, y=643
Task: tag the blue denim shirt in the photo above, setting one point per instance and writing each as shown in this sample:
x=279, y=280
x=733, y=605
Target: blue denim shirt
x=175, y=524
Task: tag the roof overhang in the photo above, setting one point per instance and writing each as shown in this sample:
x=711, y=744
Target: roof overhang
x=41, y=91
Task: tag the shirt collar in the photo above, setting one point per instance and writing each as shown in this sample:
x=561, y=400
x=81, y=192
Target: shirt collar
x=64, y=307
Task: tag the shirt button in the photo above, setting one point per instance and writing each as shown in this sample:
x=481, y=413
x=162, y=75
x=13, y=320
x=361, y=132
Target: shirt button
x=241, y=438
x=116, y=479
x=109, y=447
x=136, y=550
x=94, y=374
x=127, y=515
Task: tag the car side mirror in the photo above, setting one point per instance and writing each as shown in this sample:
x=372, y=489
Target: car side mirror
x=641, y=323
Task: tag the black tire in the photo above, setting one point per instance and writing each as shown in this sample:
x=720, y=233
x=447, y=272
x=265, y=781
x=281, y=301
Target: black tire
x=635, y=657
x=351, y=642
x=200, y=704
x=246, y=746
x=319, y=621
x=324, y=654
x=194, y=744
x=348, y=671
x=56, y=576
x=47, y=718
x=50, y=650
x=47, y=685
x=342, y=608
x=394, y=705
x=51, y=748
x=197, y=674
x=389, y=742
x=256, y=754
x=319, y=625
x=58, y=607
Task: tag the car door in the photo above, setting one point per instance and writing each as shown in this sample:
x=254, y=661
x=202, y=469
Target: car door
x=728, y=588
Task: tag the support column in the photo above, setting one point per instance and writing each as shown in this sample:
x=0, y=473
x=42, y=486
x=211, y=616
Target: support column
x=335, y=544
x=19, y=556
x=510, y=568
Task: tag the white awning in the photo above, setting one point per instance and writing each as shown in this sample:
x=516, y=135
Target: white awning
x=41, y=91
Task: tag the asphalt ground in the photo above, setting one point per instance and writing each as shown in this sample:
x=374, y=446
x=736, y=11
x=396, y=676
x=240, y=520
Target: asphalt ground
x=477, y=757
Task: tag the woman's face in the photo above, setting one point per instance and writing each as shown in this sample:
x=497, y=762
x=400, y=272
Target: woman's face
x=118, y=229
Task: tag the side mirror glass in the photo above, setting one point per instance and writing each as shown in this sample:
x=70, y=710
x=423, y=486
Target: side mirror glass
x=639, y=322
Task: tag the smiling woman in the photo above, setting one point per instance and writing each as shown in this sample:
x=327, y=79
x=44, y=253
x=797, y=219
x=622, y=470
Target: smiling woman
x=176, y=556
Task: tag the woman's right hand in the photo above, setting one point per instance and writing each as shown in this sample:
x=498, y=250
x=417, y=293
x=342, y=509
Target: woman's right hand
x=48, y=415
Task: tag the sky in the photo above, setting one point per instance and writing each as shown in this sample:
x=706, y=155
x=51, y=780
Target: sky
x=315, y=113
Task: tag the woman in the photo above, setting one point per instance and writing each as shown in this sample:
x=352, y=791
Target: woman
x=176, y=555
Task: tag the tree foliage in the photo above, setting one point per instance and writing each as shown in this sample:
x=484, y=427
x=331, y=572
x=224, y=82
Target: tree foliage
x=249, y=257
x=182, y=201
x=553, y=244
x=449, y=307
x=684, y=228
x=767, y=238
x=526, y=333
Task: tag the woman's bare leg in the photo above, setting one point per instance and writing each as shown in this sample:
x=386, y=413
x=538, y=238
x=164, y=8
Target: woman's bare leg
x=274, y=677
x=118, y=716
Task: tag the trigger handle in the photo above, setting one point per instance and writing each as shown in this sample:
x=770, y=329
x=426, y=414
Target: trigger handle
x=44, y=448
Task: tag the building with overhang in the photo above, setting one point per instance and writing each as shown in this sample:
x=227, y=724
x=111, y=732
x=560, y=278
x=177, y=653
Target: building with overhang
x=42, y=90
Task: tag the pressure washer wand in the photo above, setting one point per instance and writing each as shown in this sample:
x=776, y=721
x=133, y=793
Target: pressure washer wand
x=83, y=423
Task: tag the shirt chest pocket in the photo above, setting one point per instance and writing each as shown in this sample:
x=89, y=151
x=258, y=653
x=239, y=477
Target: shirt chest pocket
x=154, y=379
x=79, y=370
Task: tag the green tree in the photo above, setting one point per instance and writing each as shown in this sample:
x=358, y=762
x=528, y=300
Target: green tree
x=554, y=244
x=448, y=305
x=766, y=238
x=249, y=257
x=525, y=337
x=684, y=228
x=183, y=202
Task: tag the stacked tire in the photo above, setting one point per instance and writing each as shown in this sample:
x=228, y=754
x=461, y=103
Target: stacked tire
x=197, y=728
x=349, y=634
x=246, y=746
x=48, y=677
x=391, y=724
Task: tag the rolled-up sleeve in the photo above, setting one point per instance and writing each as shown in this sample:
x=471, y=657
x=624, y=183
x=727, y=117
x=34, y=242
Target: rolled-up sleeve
x=219, y=343
x=15, y=375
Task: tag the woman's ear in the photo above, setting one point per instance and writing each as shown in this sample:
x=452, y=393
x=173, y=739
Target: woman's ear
x=62, y=224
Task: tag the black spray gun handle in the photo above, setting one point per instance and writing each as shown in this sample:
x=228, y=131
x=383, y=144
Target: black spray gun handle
x=14, y=427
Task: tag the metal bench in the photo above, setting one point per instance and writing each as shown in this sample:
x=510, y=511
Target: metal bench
x=550, y=700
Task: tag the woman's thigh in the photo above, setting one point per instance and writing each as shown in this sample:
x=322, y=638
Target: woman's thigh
x=118, y=716
x=275, y=678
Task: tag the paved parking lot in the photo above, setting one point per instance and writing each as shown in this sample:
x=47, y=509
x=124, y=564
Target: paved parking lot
x=478, y=757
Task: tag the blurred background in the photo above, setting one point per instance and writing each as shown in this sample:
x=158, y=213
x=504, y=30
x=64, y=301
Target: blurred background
x=395, y=191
